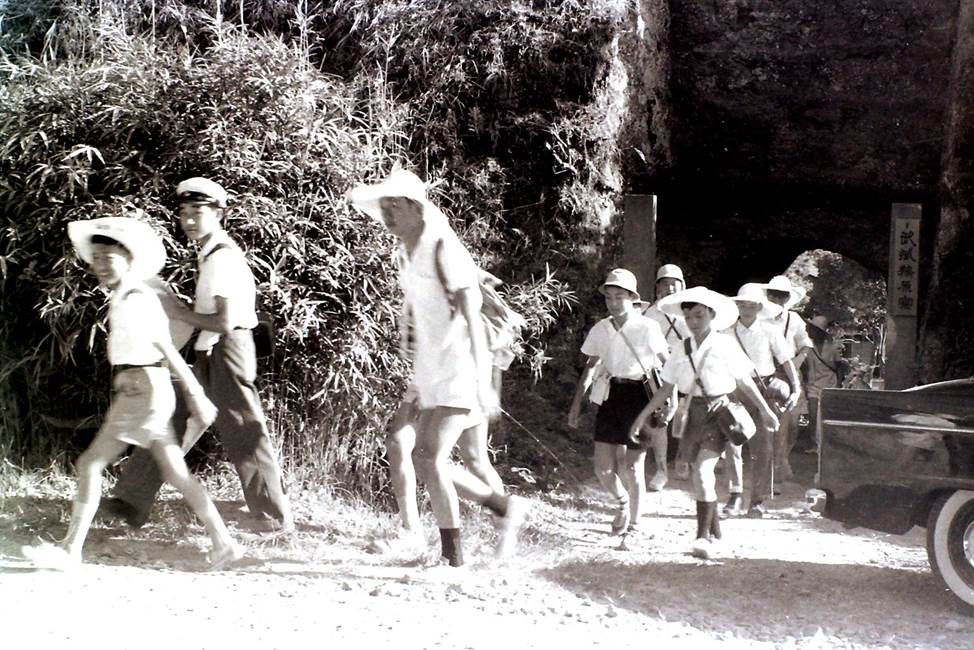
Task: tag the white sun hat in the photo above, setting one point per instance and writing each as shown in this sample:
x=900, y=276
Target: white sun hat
x=782, y=283
x=138, y=237
x=754, y=292
x=622, y=278
x=400, y=182
x=724, y=307
x=671, y=271
x=201, y=189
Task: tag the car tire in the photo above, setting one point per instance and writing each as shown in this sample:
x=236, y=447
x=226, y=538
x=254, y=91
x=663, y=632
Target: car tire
x=950, y=545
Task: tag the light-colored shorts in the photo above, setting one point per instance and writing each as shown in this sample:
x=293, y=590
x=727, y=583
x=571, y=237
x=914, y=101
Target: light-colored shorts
x=464, y=398
x=142, y=406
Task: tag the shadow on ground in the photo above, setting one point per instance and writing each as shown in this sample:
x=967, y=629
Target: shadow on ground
x=766, y=600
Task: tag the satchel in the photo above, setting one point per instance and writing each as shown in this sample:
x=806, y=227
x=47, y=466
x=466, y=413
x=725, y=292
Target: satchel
x=734, y=421
x=600, y=385
x=264, y=343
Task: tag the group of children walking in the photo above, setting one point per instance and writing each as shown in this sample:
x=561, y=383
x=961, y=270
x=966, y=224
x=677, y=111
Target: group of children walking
x=717, y=352
x=649, y=367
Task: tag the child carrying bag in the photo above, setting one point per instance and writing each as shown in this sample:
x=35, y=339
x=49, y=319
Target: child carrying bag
x=732, y=418
x=651, y=381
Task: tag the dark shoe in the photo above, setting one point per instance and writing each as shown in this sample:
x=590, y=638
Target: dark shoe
x=735, y=505
x=756, y=511
x=115, y=508
x=621, y=521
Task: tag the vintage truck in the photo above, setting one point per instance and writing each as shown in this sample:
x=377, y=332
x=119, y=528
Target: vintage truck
x=890, y=460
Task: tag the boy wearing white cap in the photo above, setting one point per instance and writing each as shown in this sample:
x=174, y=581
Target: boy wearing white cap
x=764, y=345
x=708, y=368
x=225, y=364
x=123, y=253
x=782, y=292
x=452, y=363
x=628, y=345
x=669, y=280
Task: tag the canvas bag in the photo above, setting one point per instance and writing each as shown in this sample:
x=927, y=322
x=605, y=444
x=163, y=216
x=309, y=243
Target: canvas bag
x=732, y=418
x=501, y=323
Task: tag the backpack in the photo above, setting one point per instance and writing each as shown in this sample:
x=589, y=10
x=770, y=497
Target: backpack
x=501, y=323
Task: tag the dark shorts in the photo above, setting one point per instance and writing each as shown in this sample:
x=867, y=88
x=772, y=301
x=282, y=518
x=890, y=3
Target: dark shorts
x=617, y=413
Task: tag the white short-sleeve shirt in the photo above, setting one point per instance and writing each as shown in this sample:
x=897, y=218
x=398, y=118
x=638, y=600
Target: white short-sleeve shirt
x=136, y=321
x=723, y=364
x=674, y=328
x=763, y=344
x=793, y=328
x=224, y=272
x=607, y=343
x=445, y=373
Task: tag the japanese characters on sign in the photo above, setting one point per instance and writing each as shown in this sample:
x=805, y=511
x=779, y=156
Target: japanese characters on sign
x=904, y=269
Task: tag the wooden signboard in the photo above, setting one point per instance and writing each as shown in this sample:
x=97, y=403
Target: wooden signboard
x=902, y=291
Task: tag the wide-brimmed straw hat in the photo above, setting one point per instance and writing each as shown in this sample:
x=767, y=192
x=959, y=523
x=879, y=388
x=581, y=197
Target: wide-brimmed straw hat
x=622, y=278
x=754, y=292
x=724, y=307
x=783, y=284
x=400, y=182
x=138, y=237
x=671, y=271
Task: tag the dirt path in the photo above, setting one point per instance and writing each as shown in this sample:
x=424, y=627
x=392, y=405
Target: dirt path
x=791, y=580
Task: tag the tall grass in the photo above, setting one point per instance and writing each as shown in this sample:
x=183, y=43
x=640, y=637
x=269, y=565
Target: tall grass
x=115, y=101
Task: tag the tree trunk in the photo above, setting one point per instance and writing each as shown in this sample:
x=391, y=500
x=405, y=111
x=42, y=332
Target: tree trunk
x=946, y=336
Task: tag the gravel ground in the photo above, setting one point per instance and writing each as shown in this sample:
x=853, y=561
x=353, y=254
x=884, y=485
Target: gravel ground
x=791, y=580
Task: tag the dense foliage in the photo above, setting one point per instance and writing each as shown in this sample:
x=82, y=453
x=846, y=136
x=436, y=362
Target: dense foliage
x=109, y=104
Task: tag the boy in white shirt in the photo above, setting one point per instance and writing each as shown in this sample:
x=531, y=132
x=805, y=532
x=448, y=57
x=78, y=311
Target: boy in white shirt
x=226, y=365
x=669, y=280
x=782, y=292
x=627, y=345
x=123, y=253
x=767, y=349
x=709, y=368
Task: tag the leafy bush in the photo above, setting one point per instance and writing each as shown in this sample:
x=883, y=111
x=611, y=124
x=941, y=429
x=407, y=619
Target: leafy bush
x=108, y=119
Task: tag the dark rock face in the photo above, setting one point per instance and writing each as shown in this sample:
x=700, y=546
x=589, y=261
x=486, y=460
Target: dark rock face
x=796, y=124
x=848, y=93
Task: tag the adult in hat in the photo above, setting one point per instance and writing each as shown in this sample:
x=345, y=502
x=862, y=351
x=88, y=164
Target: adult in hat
x=669, y=280
x=625, y=346
x=782, y=292
x=452, y=365
x=122, y=253
x=764, y=345
x=224, y=312
x=708, y=367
